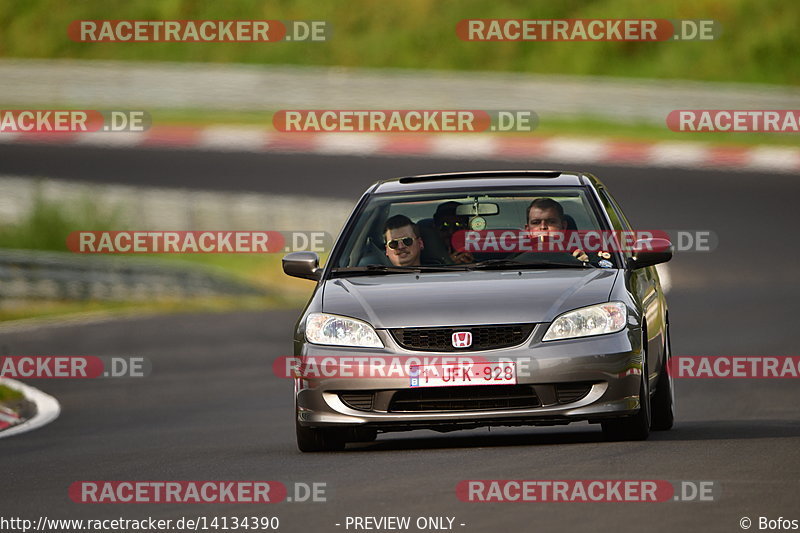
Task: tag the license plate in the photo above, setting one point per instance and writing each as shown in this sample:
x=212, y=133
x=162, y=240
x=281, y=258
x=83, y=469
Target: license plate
x=455, y=375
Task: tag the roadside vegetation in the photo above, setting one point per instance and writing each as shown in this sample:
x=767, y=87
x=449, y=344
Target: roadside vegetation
x=759, y=39
x=588, y=127
x=7, y=394
x=46, y=228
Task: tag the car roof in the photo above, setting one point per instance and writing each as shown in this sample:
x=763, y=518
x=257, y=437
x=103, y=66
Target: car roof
x=484, y=178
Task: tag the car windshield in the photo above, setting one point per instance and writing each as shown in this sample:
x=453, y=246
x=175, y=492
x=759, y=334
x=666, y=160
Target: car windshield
x=466, y=230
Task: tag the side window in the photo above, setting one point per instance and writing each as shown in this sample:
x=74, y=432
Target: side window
x=618, y=220
x=622, y=217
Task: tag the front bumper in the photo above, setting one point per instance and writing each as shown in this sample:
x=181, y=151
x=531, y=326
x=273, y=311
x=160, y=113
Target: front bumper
x=609, y=365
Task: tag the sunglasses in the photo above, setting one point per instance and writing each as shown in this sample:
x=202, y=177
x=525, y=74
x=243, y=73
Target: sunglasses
x=394, y=243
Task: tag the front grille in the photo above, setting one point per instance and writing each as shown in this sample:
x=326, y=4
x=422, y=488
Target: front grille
x=358, y=400
x=464, y=398
x=572, y=392
x=483, y=337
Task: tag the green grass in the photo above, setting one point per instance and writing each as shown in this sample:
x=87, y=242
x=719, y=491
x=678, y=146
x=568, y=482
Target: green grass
x=759, y=41
x=262, y=270
x=9, y=394
x=47, y=224
x=46, y=228
x=48, y=309
x=643, y=132
x=589, y=127
x=585, y=126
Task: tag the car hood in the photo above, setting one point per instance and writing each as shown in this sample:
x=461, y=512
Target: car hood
x=466, y=298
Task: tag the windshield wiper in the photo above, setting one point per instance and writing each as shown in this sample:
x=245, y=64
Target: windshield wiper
x=513, y=263
x=387, y=269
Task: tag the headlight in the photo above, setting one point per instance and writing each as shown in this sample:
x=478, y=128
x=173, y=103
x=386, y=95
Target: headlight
x=593, y=320
x=322, y=328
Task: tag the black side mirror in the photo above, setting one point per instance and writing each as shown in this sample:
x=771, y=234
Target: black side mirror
x=649, y=252
x=302, y=265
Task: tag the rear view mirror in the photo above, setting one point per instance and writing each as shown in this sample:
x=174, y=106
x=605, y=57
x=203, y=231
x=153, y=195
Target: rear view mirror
x=648, y=252
x=482, y=209
x=302, y=265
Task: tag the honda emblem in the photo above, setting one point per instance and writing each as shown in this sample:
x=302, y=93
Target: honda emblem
x=462, y=339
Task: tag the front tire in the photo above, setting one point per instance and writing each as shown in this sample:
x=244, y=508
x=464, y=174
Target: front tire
x=319, y=439
x=636, y=427
x=663, y=405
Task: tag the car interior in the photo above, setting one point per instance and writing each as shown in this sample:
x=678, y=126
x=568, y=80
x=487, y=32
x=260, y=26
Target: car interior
x=367, y=245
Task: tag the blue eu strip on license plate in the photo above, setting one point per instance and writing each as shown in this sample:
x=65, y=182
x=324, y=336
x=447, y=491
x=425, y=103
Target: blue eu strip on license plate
x=461, y=374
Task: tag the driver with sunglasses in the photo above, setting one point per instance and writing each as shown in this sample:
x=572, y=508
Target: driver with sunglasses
x=403, y=242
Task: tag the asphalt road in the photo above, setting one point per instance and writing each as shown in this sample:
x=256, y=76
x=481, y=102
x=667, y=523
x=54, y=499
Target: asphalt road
x=212, y=409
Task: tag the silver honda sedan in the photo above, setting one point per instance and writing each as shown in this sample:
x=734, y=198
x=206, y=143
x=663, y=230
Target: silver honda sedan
x=505, y=298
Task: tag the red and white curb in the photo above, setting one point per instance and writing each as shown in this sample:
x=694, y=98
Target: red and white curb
x=466, y=145
x=8, y=418
x=47, y=409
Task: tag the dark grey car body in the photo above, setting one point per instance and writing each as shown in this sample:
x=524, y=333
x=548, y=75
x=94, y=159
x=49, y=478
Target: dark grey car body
x=596, y=379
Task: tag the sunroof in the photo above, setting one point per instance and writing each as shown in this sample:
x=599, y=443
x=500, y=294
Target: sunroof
x=472, y=175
